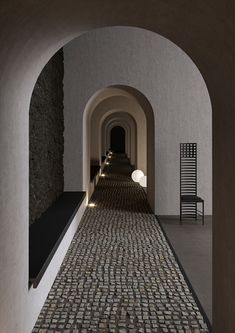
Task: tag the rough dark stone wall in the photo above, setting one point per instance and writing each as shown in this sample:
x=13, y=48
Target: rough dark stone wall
x=46, y=141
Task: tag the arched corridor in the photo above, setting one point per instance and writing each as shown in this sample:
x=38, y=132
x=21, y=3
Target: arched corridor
x=119, y=274
x=114, y=105
x=175, y=59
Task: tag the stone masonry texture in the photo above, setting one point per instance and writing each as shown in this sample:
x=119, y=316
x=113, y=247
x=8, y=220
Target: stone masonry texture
x=119, y=274
x=46, y=141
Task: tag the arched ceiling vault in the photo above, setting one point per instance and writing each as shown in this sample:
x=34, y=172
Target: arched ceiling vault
x=197, y=27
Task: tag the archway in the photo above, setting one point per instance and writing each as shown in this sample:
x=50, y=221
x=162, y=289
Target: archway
x=125, y=120
x=98, y=108
x=24, y=92
x=122, y=131
x=142, y=100
x=118, y=139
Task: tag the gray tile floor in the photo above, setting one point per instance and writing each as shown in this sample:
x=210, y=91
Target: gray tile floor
x=119, y=274
x=192, y=243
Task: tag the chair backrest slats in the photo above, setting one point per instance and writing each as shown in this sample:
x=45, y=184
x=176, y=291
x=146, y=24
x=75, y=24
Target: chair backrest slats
x=188, y=169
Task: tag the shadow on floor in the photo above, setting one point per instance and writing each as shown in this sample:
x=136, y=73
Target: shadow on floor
x=192, y=244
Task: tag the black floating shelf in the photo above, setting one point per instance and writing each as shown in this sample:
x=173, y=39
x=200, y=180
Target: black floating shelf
x=46, y=234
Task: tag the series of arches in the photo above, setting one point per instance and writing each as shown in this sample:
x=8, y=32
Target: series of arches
x=138, y=122
x=31, y=46
x=125, y=121
x=114, y=105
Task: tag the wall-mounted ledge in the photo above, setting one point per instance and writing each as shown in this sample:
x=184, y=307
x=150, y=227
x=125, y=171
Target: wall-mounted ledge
x=46, y=234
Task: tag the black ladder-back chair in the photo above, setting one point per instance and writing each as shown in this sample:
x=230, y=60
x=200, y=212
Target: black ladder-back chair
x=188, y=183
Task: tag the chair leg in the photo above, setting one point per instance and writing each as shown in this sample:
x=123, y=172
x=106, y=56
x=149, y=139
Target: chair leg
x=180, y=212
x=203, y=221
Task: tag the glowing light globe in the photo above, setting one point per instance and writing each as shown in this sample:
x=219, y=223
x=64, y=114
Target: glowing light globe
x=136, y=175
x=143, y=181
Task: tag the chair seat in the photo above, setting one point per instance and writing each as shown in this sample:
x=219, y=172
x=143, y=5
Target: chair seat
x=191, y=198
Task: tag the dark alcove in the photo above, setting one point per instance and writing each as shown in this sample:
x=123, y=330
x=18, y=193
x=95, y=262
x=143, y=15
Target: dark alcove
x=117, y=139
x=46, y=138
x=51, y=210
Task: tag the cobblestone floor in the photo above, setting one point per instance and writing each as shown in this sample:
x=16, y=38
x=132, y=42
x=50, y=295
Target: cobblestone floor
x=119, y=274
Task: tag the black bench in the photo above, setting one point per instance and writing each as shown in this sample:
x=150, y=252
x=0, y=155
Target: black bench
x=46, y=233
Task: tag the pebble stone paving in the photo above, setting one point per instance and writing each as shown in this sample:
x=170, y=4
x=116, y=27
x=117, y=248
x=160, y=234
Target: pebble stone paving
x=119, y=274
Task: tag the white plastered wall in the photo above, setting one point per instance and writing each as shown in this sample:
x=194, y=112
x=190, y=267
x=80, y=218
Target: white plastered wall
x=172, y=84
